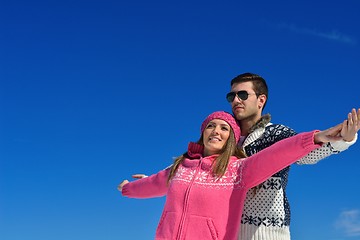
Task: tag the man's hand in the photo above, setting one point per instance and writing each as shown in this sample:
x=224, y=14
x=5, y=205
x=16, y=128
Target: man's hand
x=351, y=126
x=139, y=176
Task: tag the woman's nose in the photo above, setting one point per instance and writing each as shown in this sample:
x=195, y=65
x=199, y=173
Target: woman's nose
x=216, y=130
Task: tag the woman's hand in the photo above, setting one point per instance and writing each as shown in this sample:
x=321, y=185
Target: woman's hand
x=329, y=135
x=121, y=185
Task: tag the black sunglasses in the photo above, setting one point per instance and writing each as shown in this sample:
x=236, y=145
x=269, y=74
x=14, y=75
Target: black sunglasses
x=243, y=95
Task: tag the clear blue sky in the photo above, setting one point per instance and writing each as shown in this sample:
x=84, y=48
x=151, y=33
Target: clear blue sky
x=94, y=91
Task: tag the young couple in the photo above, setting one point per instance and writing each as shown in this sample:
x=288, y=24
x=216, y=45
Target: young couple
x=214, y=191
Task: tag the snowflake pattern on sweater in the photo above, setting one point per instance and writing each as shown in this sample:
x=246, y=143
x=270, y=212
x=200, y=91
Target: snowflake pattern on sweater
x=267, y=204
x=232, y=179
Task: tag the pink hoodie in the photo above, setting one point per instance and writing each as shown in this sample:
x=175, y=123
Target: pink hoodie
x=200, y=206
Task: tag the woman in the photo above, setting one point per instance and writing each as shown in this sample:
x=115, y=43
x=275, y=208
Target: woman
x=205, y=185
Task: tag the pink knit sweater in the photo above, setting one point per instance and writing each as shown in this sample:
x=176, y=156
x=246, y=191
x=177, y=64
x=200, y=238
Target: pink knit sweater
x=200, y=206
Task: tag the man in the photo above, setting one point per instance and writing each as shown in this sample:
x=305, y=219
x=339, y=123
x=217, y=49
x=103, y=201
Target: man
x=266, y=213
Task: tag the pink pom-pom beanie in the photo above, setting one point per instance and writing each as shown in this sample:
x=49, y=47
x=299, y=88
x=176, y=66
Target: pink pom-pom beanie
x=227, y=117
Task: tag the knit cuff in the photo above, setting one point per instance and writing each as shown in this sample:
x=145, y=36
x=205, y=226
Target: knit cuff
x=125, y=190
x=308, y=139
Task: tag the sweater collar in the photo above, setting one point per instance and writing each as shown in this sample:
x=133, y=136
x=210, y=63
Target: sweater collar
x=195, y=150
x=195, y=154
x=263, y=121
x=257, y=130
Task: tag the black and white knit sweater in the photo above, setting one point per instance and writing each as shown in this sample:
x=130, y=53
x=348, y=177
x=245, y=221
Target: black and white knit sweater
x=266, y=214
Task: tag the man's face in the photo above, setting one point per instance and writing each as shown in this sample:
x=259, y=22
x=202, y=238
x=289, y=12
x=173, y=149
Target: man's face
x=249, y=108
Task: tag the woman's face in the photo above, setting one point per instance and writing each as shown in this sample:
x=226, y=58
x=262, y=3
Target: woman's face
x=215, y=136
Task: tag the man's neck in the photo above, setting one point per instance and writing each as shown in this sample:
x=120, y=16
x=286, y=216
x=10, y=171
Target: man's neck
x=247, y=124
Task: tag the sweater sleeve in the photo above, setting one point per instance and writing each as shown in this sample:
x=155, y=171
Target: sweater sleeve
x=262, y=165
x=325, y=151
x=148, y=187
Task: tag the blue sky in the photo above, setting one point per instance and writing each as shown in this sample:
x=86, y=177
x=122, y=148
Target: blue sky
x=94, y=91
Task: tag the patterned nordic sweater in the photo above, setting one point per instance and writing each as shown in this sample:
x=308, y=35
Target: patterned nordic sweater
x=266, y=213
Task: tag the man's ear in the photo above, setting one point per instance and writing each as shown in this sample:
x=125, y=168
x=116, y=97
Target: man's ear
x=262, y=100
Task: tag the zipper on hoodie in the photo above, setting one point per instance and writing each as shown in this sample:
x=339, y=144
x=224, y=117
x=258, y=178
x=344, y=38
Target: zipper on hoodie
x=186, y=199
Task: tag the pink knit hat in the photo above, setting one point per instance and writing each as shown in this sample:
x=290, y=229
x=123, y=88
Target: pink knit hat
x=227, y=117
